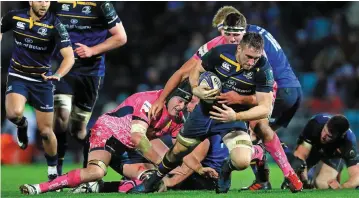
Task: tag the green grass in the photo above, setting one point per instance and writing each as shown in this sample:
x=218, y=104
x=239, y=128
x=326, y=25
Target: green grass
x=13, y=176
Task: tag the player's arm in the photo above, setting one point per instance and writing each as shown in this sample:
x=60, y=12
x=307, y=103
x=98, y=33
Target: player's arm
x=264, y=81
x=194, y=159
x=141, y=142
x=351, y=157
x=6, y=23
x=63, y=42
x=177, y=78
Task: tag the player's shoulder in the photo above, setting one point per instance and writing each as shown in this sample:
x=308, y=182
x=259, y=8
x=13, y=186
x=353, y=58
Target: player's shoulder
x=147, y=96
x=255, y=28
x=226, y=49
x=19, y=12
x=263, y=64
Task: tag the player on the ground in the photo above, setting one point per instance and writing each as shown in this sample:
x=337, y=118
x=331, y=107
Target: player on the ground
x=328, y=143
x=36, y=33
x=89, y=24
x=242, y=59
x=289, y=90
x=125, y=128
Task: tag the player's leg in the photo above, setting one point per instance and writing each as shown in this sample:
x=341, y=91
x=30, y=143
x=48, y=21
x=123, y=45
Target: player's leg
x=62, y=108
x=195, y=128
x=16, y=94
x=44, y=123
x=87, y=88
x=102, y=143
x=96, y=170
x=286, y=105
x=239, y=145
x=327, y=172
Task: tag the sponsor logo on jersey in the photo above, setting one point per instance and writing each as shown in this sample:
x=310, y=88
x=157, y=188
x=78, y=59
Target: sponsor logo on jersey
x=20, y=25
x=226, y=66
x=74, y=21
x=203, y=50
x=28, y=40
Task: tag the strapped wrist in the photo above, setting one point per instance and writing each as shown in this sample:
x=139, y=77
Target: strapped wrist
x=58, y=75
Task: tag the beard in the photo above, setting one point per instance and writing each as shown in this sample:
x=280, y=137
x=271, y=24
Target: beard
x=37, y=12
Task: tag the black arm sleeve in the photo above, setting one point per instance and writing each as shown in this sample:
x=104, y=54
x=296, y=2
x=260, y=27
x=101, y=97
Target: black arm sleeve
x=6, y=22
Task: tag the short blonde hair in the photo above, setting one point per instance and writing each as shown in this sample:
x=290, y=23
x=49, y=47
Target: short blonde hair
x=221, y=15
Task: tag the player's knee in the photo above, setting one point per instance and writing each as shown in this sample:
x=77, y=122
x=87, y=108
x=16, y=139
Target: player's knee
x=321, y=183
x=239, y=145
x=241, y=157
x=14, y=113
x=97, y=169
x=45, y=132
x=63, y=102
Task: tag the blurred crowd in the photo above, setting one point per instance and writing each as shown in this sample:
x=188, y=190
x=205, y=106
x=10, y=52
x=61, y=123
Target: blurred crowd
x=321, y=40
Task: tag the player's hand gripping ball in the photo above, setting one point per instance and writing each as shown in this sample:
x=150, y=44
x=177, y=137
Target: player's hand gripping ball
x=209, y=86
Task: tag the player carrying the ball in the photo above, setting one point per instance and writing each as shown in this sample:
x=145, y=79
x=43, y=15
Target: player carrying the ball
x=242, y=69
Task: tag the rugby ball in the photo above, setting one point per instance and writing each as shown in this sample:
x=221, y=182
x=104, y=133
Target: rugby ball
x=211, y=80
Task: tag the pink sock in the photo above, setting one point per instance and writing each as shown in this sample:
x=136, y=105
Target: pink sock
x=276, y=151
x=127, y=185
x=71, y=179
x=258, y=153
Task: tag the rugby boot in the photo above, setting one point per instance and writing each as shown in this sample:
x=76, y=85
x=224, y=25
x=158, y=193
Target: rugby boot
x=224, y=179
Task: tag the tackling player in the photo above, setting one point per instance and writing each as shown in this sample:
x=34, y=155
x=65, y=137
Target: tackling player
x=88, y=24
x=125, y=128
x=36, y=33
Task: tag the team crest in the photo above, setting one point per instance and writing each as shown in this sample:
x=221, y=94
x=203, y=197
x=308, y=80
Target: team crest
x=42, y=31
x=86, y=9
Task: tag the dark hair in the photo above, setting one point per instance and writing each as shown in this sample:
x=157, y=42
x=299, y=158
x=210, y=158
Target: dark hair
x=338, y=125
x=235, y=20
x=252, y=39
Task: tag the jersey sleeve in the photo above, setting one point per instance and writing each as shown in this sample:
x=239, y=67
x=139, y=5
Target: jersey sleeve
x=62, y=37
x=264, y=79
x=307, y=133
x=109, y=14
x=349, y=149
x=6, y=22
x=141, y=109
x=209, y=59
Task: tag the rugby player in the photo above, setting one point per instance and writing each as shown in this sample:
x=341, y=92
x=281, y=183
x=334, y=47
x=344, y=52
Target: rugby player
x=327, y=143
x=248, y=56
x=36, y=33
x=125, y=128
x=88, y=24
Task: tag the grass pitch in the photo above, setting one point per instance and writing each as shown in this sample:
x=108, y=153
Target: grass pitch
x=13, y=176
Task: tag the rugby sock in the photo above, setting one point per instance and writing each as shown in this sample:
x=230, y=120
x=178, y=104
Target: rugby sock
x=19, y=122
x=71, y=179
x=61, y=150
x=276, y=151
x=258, y=153
x=51, y=163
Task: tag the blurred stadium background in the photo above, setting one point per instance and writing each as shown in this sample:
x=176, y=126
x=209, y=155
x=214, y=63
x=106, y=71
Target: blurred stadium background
x=321, y=40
